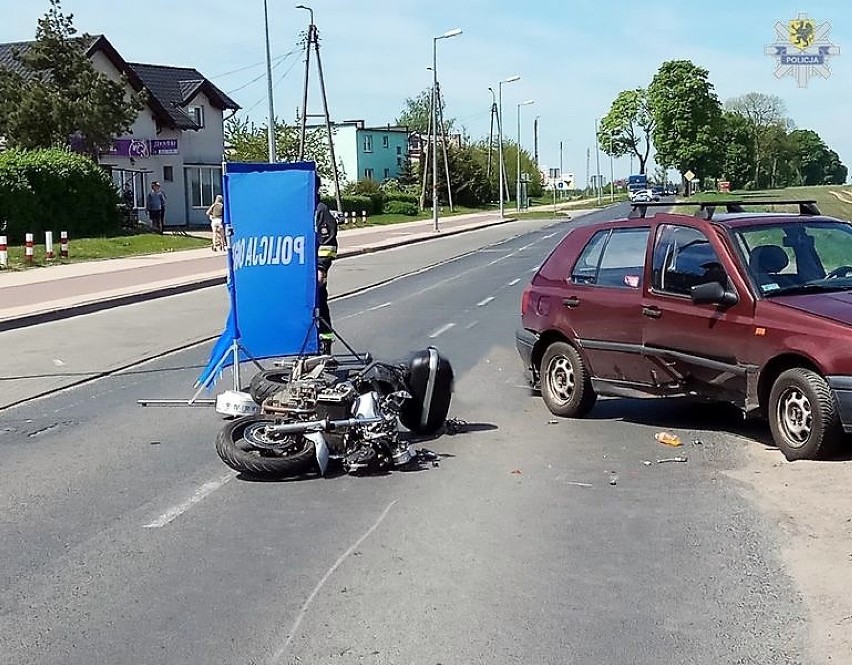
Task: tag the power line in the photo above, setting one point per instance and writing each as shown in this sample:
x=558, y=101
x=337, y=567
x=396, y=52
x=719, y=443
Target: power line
x=257, y=64
x=257, y=78
x=281, y=78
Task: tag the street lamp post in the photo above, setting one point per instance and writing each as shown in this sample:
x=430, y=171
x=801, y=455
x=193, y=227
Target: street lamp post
x=611, y=172
x=270, y=130
x=598, y=187
x=450, y=33
x=518, y=183
x=511, y=79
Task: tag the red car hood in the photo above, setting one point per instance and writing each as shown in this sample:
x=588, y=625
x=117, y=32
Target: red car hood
x=836, y=306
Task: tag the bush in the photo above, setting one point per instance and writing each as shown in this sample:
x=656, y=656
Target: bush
x=54, y=190
x=400, y=208
x=403, y=197
x=353, y=203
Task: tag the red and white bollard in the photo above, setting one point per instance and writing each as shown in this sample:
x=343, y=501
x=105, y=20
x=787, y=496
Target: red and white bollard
x=48, y=245
x=28, y=251
x=4, y=253
x=363, y=216
x=63, y=244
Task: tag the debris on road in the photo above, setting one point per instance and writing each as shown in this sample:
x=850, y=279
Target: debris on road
x=668, y=439
x=697, y=442
x=613, y=478
x=552, y=422
x=516, y=472
x=647, y=462
x=672, y=459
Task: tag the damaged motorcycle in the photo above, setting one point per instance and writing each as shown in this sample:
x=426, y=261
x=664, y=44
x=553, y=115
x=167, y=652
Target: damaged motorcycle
x=317, y=409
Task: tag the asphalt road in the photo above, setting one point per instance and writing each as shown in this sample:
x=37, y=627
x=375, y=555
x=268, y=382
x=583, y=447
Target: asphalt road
x=125, y=540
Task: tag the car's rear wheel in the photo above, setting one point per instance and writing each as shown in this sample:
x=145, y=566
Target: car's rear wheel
x=566, y=386
x=802, y=415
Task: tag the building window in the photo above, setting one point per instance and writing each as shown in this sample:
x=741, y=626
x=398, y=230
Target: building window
x=399, y=150
x=368, y=174
x=399, y=162
x=368, y=143
x=132, y=180
x=387, y=174
x=197, y=115
x=169, y=173
x=385, y=142
x=203, y=184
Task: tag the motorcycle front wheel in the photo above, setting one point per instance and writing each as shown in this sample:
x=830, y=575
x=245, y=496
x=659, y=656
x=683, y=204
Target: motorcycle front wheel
x=245, y=446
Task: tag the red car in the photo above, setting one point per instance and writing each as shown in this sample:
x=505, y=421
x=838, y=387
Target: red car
x=749, y=308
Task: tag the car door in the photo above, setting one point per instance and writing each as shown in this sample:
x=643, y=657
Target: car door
x=602, y=300
x=696, y=346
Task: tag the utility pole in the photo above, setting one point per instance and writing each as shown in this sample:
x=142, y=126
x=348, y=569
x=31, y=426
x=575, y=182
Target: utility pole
x=313, y=40
x=588, y=160
x=560, y=162
x=270, y=128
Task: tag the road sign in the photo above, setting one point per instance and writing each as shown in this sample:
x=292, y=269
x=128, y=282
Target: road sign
x=689, y=175
x=560, y=185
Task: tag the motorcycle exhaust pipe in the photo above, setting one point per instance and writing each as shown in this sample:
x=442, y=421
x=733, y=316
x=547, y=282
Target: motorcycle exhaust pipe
x=324, y=425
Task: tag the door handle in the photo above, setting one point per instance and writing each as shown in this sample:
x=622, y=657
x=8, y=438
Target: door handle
x=571, y=301
x=652, y=312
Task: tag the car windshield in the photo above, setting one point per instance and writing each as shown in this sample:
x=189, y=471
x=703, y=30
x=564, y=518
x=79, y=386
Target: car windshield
x=798, y=256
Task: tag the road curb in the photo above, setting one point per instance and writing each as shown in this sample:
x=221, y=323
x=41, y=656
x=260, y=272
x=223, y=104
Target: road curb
x=98, y=305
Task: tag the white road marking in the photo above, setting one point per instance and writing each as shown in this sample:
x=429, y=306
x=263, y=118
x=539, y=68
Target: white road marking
x=470, y=325
x=199, y=495
x=441, y=330
x=373, y=309
x=487, y=300
x=549, y=235
x=514, y=281
x=279, y=654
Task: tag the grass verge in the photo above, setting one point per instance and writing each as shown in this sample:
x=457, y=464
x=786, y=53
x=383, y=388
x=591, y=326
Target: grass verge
x=832, y=200
x=90, y=249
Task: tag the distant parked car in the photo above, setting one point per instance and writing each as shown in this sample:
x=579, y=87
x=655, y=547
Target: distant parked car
x=749, y=308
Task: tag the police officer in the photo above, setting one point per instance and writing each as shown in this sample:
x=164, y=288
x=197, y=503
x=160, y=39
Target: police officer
x=326, y=230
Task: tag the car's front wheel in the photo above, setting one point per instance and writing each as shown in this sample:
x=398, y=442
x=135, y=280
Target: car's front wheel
x=802, y=415
x=566, y=386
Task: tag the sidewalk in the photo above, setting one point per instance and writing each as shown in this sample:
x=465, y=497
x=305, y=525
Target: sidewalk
x=44, y=294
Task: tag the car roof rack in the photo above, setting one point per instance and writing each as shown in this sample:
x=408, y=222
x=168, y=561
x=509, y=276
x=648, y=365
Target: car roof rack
x=708, y=208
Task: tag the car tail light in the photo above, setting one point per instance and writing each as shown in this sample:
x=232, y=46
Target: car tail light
x=526, y=299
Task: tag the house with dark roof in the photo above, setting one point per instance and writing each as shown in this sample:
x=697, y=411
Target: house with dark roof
x=178, y=139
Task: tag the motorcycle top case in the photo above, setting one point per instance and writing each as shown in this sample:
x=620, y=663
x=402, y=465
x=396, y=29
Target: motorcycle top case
x=430, y=382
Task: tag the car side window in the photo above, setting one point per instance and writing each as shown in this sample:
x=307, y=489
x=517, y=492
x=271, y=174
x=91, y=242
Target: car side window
x=683, y=258
x=613, y=258
x=586, y=269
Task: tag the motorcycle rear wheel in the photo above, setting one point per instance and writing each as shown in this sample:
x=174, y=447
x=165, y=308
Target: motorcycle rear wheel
x=268, y=382
x=243, y=445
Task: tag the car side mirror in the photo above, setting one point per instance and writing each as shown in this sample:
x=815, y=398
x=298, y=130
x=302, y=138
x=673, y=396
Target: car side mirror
x=713, y=293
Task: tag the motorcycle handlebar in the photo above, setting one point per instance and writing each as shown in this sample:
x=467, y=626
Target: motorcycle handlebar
x=324, y=425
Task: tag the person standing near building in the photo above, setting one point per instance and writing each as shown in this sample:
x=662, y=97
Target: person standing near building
x=156, y=207
x=216, y=212
x=326, y=230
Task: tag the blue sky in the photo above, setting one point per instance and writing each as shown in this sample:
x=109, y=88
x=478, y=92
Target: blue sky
x=574, y=56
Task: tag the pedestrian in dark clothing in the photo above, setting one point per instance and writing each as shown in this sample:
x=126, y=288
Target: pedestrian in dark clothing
x=326, y=231
x=156, y=207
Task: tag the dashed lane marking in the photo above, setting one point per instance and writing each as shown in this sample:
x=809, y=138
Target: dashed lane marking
x=199, y=495
x=485, y=301
x=441, y=330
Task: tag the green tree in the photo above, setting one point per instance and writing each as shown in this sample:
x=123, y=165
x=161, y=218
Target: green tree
x=687, y=118
x=816, y=164
x=738, y=149
x=59, y=94
x=765, y=114
x=248, y=142
x=417, y=112
x=630, y=124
